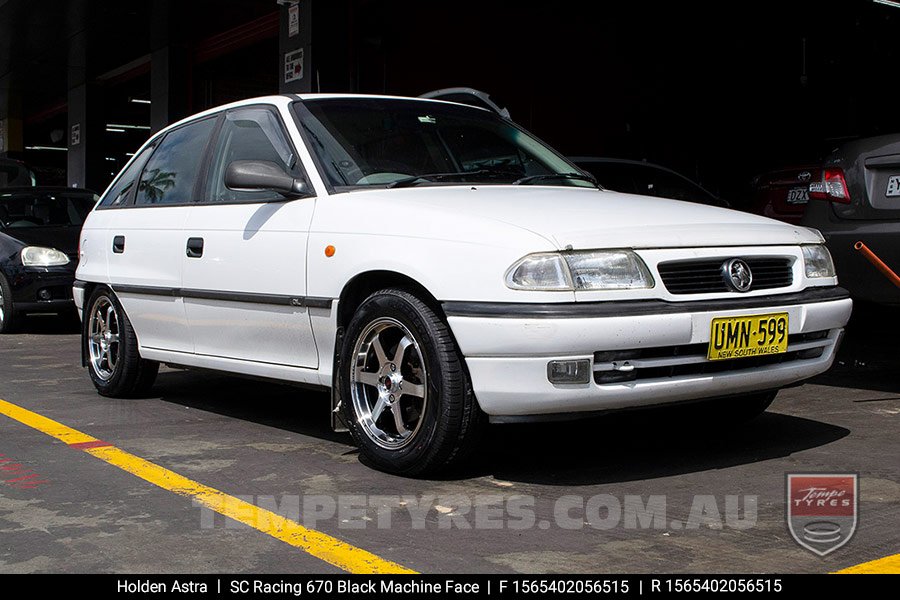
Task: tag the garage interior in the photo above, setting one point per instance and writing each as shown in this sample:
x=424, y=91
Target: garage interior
x=719, y=92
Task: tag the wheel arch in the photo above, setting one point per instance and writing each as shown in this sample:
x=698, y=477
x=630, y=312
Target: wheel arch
x=364, y=284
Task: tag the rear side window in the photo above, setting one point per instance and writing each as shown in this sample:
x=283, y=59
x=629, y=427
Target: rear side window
x=171, y=172
x=119, y=193
x=249, y=134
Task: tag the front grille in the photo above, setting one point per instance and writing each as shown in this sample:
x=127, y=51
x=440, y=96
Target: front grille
x=622, y=366
x=706, y=276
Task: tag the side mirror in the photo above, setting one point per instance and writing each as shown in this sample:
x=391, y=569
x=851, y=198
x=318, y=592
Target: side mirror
x=263, y=175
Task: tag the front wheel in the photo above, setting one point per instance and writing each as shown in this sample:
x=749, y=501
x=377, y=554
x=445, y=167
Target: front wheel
x=406, y=396
x=111, y=348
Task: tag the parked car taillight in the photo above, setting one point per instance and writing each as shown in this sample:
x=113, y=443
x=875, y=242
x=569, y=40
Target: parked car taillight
x=832, y=187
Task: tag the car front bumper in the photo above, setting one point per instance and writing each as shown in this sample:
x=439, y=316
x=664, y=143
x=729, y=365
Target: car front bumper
x=507, y=349
x=42, y=290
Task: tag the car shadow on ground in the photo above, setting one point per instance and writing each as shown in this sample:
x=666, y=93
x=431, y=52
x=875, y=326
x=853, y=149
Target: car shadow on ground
x=49, y=324
x=618, y=447
x=641, y=445
x=291, y=408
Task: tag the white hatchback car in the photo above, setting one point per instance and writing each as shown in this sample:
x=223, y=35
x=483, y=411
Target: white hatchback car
x=437, y=267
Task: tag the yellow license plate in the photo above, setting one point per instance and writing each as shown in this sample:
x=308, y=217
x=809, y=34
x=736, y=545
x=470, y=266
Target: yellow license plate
x=743, y=337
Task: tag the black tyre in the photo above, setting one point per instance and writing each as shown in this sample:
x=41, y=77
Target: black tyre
x=406, y=396
x=111, y=348
x=8, y=317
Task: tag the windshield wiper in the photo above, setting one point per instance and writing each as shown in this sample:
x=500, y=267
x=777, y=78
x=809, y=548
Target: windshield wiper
x=414, y=179
x=550, y=176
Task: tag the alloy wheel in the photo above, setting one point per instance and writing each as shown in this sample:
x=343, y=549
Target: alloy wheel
x=103, y=340
x=388, y=383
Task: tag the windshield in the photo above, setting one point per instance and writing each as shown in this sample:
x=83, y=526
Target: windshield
x=375, y=142
x=44, y=209
x=647, y=180
x=14, y=174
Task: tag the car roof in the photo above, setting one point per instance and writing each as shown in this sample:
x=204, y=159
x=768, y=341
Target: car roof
x=45, y=189
x=621, y=161
x=285, y=99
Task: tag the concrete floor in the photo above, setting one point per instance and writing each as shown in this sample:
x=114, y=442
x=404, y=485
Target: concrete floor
x=271, y=443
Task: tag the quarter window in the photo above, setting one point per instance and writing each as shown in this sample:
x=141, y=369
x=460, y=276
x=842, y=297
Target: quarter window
x=171, y=172
x=119, y=193
x=249, y=134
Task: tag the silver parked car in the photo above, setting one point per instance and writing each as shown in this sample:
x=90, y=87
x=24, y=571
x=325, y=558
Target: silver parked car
x=859, y=193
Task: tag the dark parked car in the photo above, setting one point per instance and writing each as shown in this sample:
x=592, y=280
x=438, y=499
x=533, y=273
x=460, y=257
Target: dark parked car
x=784, y=194
x=15, y=173
x=39, y=229
x=857, y=198
x=646, y=179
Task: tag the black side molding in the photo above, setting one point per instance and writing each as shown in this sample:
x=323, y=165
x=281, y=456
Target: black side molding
x=635, y=308
x=247, y=297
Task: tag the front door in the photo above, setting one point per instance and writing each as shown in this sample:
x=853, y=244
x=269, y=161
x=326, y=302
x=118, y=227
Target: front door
x=244, y=253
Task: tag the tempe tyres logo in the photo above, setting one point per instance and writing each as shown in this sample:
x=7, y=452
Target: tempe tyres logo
x=822, y=510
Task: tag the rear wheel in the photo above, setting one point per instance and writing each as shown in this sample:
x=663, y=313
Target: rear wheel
x=114, y=362
x=8, y=317
x=405, y=393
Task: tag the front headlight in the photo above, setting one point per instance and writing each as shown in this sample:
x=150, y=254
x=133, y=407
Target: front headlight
x=35, y=256
x=589, y=270
x=818, y=261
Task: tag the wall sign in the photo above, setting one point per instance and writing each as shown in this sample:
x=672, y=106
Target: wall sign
x=76, y=134
x=293, y=65
x=293, y=20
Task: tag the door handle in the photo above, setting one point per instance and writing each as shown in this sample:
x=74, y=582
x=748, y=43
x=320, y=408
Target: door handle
x=119, y=244
x=194, y=247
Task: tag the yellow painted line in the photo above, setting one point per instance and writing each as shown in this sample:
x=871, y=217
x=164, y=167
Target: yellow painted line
x=315, y=543
x=888, y=564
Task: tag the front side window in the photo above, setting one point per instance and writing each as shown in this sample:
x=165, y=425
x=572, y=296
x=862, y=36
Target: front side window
x=249, y=134
x=378, y=142
x=44, y=209
x=170, y=174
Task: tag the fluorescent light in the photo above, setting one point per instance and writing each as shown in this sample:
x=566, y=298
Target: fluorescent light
x=139, y=101
x=121, y=126
x=115, y=130
x=110, y=158
x=129, y=154
x=46, y=148
x=887, y=3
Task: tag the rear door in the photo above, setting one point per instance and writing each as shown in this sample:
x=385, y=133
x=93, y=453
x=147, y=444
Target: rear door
x=244, y=253
x=145, y=237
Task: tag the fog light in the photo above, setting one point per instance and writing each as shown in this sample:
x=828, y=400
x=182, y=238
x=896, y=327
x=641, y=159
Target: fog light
x=44, y=294
x=569, y=371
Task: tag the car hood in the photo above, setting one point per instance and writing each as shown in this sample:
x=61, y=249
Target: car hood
x=588, y=218
x=64, y=239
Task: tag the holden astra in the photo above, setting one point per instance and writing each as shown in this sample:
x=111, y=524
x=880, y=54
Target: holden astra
x=437, y=268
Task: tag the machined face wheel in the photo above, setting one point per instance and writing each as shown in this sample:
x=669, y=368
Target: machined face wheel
x=103, y=340
x=388, y=383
